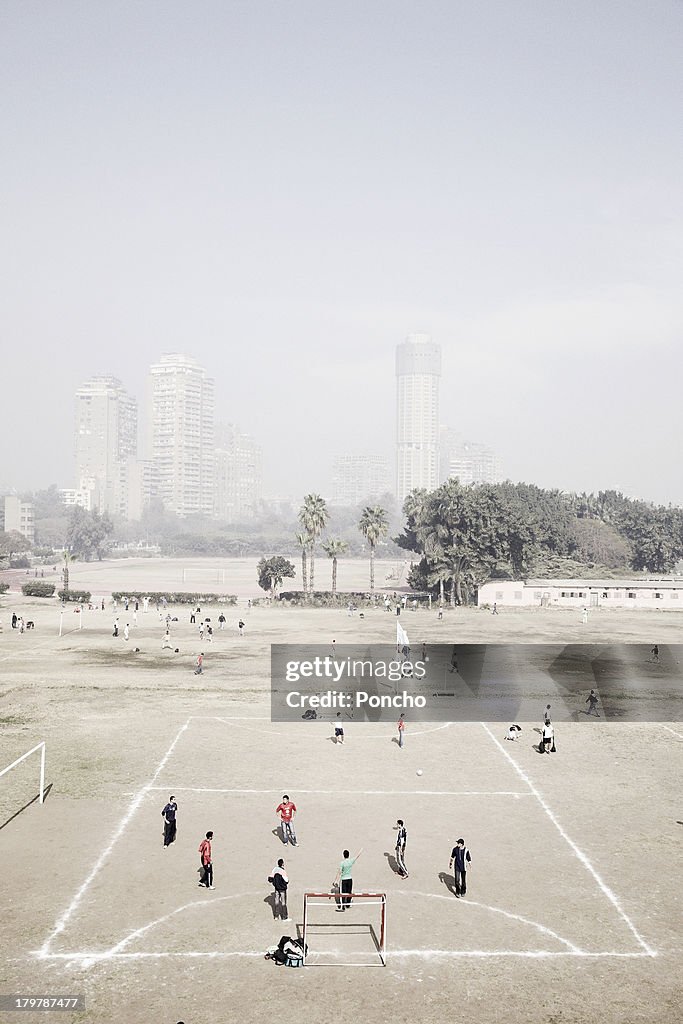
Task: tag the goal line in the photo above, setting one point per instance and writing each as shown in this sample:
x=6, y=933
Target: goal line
x=351, y=902
x=41, y=747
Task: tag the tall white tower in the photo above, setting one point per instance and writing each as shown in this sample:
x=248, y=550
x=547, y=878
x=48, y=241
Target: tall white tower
x=418, y=373
x=181, y=434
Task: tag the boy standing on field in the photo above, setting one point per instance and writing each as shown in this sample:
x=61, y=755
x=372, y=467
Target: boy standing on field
x=287, y=810
x=206, y=863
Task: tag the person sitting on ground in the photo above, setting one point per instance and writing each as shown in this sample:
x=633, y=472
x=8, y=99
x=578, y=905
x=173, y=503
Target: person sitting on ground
x=513, y=732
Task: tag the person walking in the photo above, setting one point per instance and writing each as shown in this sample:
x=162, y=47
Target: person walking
x=547, y=737
x=170, y=825
x=126, y=631
x=401, y=838
x=401, y=726
x=495, y=608
x=280, y=883
x=193, y=618
x=200, y=664
x=584, y=616
x=166, y=642
x=221, y=621
x=206, y=863
x=286, y=811
x=461, y=861
x=344, y=878
x=240, y=627
x=655, y=654
x=116, y=628
x=592, y=701
x=454, y=660
x=546, y=713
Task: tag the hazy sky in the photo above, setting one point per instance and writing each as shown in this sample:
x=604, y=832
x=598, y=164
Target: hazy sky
x=286, y=189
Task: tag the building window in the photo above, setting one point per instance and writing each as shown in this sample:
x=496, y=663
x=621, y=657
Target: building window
x=499, y=595
x=537, y=595
x=518, y=595
x=631, y=595
x=674, y=596
x=659, y=596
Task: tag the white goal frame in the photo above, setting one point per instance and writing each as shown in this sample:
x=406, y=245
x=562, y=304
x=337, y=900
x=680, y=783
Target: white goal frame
x=367, y=898
x=41, y=747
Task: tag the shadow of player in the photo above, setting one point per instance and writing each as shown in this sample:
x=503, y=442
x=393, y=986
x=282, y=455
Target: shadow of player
x=448, y=881
x=393, y=863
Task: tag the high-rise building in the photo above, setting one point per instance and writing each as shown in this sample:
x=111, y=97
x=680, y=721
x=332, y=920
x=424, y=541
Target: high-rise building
x=359, y=479
x=238, y=475
x=106, y=439
x=418, y=373
x=469, y=461
x=181, y=434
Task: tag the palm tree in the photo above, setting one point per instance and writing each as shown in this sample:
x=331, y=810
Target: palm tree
x=373, y=525
x=68, y=559
x=334, y=548
x=302, y=541
x=313, y=516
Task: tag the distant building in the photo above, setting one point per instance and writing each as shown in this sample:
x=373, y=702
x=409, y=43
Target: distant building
x=663, y=593
x=181, y=434
x=19, y=517
x=470, y=461
x=418, y=373
x=70, y=497
x=106, y=440
x=238, y=475
x=359, y=479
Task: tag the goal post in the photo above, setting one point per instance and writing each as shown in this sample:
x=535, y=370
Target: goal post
x=357, y=902
x=41, y=747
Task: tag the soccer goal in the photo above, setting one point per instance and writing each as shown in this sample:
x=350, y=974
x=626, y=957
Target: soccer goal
x=41, y=748
x=356, y=937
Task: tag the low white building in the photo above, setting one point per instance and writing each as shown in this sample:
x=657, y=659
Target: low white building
x=663, y=593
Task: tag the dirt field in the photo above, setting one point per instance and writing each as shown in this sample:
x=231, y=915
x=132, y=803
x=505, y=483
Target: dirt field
x=573, y=909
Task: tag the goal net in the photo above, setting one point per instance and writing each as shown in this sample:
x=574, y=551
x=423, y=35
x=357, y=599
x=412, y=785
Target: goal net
x=19, y=793
x=346, y=930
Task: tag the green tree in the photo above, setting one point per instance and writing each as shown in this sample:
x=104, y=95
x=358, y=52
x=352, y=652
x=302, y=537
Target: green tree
x=334, y=548
x=13, y=542
x=302, y=540
x=313, y=516
x=373, y=526
x=87, y=533
x=272, y=572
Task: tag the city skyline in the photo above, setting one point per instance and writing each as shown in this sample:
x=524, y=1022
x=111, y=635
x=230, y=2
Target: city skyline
x=496, y=177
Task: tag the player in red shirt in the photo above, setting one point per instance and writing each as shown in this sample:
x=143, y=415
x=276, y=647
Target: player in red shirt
x=287, y=810
x=206, y=877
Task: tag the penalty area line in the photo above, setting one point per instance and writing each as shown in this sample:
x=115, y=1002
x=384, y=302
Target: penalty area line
x=611, y=896
x=348, y=792
x=137, y=800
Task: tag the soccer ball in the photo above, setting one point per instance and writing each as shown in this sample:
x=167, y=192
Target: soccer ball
x=419, y=771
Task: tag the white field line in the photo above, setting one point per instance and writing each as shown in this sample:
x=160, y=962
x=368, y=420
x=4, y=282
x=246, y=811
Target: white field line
x=577, y=852
x=137, y=800
x=88, y=959
x=347, y=792
x=505, y=913
x=179, y=910
x=673, y=732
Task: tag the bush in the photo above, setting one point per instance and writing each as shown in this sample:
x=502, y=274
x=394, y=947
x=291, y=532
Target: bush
x=175, y=597
x=4, y=587
x=74, y=596
x=38, y=589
